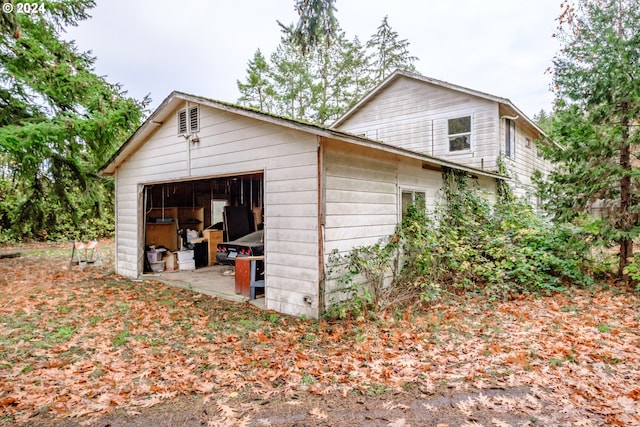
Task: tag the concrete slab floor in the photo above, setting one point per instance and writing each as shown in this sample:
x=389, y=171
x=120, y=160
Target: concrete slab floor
x=214, y=280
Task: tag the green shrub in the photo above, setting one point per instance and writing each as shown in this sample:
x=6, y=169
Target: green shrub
x=468, y=245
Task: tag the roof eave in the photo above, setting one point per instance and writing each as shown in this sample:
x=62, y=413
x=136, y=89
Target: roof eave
x=415, y=76
x=161, y=113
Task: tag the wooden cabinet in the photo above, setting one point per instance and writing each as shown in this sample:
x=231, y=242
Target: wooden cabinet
x=213, y=237
x=163, y=225
x=162, y=234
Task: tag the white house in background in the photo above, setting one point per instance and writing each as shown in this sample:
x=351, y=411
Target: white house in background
x=316, y=189
x=450, y=122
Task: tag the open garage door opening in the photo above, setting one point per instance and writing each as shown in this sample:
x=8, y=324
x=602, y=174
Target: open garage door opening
x=190, y=225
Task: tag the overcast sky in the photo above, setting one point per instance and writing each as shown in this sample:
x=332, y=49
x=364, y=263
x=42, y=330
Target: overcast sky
x=501, y=47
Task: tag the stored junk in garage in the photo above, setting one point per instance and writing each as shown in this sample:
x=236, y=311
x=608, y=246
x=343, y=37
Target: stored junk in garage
x=186, y=221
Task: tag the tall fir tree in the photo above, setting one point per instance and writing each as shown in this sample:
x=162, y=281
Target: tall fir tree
x=389, y=52
x=595, y=123
x=316, y=24
x=292, y=81
x=257, y=90
x=331, y=75
x=59, y=122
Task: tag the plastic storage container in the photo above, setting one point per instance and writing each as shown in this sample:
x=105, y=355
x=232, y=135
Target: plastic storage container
x=187, y=265
x=157, y=267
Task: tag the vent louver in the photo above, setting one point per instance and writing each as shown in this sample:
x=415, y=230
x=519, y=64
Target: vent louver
x=182, y=122
x=193, y=119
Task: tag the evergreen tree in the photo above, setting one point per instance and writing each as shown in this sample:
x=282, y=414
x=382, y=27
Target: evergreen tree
x=358, y=73
x=324, y=79
x=597, y=81
x=257, y=91
x=292, y=82
x=317, y=23
x=389, y=52
x=338, y=71
x=59, y=122
x=543, y=119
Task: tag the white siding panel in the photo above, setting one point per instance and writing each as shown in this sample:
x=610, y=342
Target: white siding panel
x=413, y=115
x=292, y=222
x=291, y=198
x=335, y=235
x=347, y=196
x=295, y=261
x=309, y=185
x=288, y=246
x=369, y=218
x=290, y=302
x=285, y=235
x=344, y=209
x=283, y=274
x=412, y=177
x=360, y=193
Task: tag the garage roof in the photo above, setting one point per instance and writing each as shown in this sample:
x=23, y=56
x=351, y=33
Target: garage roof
x=175, y=99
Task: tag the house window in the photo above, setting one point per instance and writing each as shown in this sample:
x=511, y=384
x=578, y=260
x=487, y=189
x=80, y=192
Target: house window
x=510, y=138
x=188, y=120
x=527, y=143
x=413, y=198
x=460, y=134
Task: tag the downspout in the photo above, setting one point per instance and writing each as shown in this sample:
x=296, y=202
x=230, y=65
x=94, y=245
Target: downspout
x=432, y=136
x=321, y=218
x=188, y=141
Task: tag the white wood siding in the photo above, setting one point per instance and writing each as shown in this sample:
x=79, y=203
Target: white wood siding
x=412, y=177
x=526, y=161
x=360, y=198
x=414, y=115
x=232, y=144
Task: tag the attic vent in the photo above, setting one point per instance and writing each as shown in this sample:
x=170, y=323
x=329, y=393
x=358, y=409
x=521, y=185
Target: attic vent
x=192, y=124
x=182, y=122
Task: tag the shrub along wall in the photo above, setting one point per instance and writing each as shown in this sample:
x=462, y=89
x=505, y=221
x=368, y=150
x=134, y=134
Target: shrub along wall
x=467, y=245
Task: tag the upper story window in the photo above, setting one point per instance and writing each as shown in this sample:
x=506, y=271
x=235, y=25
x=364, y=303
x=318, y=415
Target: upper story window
x=510, y=138
x=188, y=120
x=460, y=134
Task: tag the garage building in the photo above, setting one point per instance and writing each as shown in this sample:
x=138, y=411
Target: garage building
x=313, y=189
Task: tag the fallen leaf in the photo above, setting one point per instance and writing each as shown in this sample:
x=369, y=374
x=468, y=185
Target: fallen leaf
x=318, y=413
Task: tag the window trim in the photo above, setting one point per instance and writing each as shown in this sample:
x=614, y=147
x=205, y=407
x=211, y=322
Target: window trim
x=413, y=191
x=469, y=134
x=510, y=138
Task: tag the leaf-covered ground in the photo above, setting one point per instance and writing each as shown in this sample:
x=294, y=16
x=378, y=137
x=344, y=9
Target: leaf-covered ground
x=78, y=344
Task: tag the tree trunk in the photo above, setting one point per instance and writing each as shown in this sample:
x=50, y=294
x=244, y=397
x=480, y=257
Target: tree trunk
x=626, y=218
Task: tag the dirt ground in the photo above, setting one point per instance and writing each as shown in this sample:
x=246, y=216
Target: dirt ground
x=447, y=408
x=408, y=409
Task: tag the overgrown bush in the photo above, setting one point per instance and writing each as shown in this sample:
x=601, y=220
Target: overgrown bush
x=467, y=245
x=93, y=216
